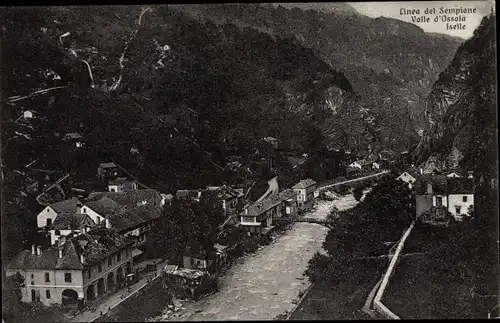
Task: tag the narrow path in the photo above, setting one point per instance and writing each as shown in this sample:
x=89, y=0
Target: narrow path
x=273, y=188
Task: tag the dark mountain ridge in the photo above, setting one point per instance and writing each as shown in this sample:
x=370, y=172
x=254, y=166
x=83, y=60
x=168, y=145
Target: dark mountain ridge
x=391, y=64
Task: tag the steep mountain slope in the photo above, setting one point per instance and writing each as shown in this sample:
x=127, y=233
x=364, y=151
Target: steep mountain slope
x=461, y=109
x=390, y=63
x=186, y=94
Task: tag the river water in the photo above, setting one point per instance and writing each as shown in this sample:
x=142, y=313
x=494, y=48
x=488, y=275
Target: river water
x=264, y=285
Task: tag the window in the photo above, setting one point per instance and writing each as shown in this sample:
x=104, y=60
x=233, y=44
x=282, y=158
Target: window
x=58, y=233
x=47, y=294
x=99, y=268
x=67, y=277
x=457, y=209
x=110, y=261
x=191, y=260
x=112, y=190
x=32, y=276
x=119, y=256
x=84, y=210
x=47, y=278
x=48, y=210
x=49, y=222
x=88, y=274
x=464, y=199
x=439, y=200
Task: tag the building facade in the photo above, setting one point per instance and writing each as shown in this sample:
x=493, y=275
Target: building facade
x=77, y=270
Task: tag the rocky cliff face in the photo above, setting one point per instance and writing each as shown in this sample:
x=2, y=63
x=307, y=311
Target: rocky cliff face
x=461, y=108
x=391, y=64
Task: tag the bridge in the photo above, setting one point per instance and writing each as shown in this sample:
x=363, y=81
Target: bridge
x=326, y=185
x=305, y=220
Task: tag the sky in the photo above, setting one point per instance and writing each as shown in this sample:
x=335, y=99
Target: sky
x=393, y=10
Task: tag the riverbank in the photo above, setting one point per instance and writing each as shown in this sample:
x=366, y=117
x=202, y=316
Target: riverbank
x=266, y=283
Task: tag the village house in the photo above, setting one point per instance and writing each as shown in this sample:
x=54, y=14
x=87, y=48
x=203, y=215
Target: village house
x=305, y=193
x=74, y=138
x=258, y=217
x=201, y=260
x=65, y=224
x=365, y=165
x=189, y=282
x=47, y=216
x=107, y=171
x=131, y=213
x=77, y=270
x=290, y=203
x=229, y=197
x=409, y=176
x=122, y=184
x=438, y=196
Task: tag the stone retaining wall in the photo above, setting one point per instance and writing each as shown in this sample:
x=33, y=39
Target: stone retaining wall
x=377, y=304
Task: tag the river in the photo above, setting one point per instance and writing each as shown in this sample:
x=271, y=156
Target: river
x=265, y=284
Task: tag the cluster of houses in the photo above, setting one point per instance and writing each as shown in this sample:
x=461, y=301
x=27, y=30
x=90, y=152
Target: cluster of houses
x=441, y=196
x=94, y=241
x=93, y=244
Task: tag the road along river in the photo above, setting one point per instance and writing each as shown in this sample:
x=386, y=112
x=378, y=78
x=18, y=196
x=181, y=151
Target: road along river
x=264, y=284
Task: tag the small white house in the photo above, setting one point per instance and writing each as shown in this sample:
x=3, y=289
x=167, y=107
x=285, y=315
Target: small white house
x=409, y=177
x=355, y=165
x=28, y=115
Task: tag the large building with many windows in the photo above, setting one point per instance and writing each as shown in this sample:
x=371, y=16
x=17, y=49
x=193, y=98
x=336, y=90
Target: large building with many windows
x=78, y=269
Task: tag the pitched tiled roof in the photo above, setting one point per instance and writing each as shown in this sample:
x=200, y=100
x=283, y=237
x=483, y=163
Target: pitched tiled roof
x=98, y=244
x=460, y=185
x=305, y=183
x=104, y=206
x=134, y=217
x=458, y=171
x=222, y=192
x=186, y=194
x=118, y=181
x=70, y=221
x=73, y=135
x=444, y=185
x=413, y=172
x=107, y=165
x=66, y=206
x=269, y=202
x=287, y=194
x=95, y=246
x=129, y=198
x=49, y=259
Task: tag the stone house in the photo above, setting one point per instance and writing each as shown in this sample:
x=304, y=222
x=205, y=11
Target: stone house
x=107, y=170
x=76, y=270
x=438, y=197
x=409, y=176
x=305, y=193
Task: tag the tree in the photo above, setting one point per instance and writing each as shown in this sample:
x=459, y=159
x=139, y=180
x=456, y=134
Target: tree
x=190, y=224
x=358, y=193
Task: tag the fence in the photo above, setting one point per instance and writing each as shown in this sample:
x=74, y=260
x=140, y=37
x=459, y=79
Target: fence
x=377, y=304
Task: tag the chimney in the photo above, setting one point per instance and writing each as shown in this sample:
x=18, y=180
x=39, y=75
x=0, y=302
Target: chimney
x=60, y=253
x=421, y=171
x=38, y=250
x=81, y=258
x=79, y=208
x=199, y=194
x=246, y=210
x=33, y=249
